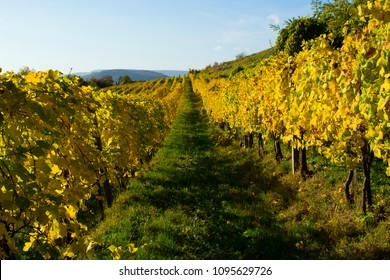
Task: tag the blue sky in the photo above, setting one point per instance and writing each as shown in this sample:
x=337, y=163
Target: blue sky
x=137, y=34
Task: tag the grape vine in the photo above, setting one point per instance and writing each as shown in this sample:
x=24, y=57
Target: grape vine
x=333, y=100
x=63, y=145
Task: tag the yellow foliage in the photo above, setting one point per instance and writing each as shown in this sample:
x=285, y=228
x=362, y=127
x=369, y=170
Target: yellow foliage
x=115, y=252
x=71, y=211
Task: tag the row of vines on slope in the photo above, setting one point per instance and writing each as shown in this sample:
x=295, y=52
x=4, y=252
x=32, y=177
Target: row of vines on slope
x=333, y=100
x=65, y=148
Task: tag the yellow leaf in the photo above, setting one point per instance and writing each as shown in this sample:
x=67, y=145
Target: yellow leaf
x=61, y=191
x=71, y=211
x=382, y=62
x=57, y=230
x=382, y=103
x=32, y=78
x=89, y=247
x=55, y=169
x=382, y=72
x=288, y=138
x=112, y=248
x=69, y=253
x=28, y=245
x=115, y=252
x=132, y=248
x=377, y=152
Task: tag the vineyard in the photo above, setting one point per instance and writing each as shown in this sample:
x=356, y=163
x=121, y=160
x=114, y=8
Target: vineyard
x=335, y=101
x=271, y=156
x=66, y=151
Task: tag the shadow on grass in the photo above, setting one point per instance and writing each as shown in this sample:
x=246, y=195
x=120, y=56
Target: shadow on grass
x=218, y=190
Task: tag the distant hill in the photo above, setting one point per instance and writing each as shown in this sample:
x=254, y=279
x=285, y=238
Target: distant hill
x=172, y=73
x=135, y=75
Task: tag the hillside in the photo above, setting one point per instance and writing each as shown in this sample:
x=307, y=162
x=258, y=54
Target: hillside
x=227, y=67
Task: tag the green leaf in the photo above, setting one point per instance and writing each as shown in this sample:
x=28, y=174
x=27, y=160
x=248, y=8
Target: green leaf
x=43, y=144
x=47, y=131
x=43, y=219
x=8, y=184
x=22, y=202
x=1, y=117
x=251, y=233
x=21, y=171
x=32, y=188
x=42, y=166
x=38, y=152
x=66, y=79
x=74, y=100
x=21, y=150
x=37, y=108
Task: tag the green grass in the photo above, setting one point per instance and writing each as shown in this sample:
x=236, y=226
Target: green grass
x=204, y=197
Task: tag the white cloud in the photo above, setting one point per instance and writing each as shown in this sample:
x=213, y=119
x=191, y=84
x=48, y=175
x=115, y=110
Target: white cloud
x=217, y=48
x=274, y=18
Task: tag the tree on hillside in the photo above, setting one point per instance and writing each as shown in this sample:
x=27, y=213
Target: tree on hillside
x=337, y=15
x=296, y=31
x=125, y=79
x=25, y=70
x=241, y=55
x=103, y=82
x=93, y=82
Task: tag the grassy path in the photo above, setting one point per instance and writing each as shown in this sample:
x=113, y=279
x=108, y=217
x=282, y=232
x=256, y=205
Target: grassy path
x=204, y=197
x=199, y=200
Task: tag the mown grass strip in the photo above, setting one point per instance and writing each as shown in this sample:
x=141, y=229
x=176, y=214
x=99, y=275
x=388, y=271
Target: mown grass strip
x=184, y=207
